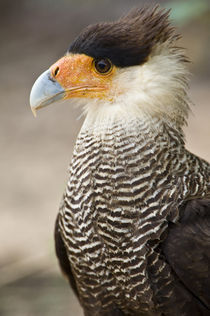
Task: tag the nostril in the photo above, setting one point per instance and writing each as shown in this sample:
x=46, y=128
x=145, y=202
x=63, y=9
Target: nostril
x=56, y=71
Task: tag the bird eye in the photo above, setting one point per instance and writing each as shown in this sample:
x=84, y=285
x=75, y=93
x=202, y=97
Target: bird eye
x=103, y=65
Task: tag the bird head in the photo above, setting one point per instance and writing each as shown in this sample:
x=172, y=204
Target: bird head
x=128, y=66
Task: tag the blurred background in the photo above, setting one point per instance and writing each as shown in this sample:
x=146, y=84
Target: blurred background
x=35, y=152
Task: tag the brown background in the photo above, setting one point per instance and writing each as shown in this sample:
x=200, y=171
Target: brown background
x=35, y=152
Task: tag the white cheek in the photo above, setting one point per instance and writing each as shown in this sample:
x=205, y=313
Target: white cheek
x=155, y=86
x=156, y=74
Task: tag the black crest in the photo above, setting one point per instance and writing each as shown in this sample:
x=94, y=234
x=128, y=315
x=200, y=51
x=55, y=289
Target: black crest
x=127, y=41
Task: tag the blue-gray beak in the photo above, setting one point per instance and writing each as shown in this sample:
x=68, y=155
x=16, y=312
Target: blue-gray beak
x=45, y=90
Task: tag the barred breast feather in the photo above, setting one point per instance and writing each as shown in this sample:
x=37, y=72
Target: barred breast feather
x=127, y=182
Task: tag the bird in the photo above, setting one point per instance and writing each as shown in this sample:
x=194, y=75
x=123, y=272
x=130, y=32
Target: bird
x=132, y=234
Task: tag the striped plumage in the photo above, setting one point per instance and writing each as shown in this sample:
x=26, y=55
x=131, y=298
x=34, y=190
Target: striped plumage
x=116, y=209
x=127, y=204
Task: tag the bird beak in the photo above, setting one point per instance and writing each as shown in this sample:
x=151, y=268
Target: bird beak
x=45, y=90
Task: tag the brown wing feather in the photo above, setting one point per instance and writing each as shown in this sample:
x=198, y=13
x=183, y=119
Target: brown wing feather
x=187, y=249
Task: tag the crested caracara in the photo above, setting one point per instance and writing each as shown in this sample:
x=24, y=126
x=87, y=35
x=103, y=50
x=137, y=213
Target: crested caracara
x=133, y=230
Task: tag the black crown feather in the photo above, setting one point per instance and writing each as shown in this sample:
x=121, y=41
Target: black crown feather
x=127, y=41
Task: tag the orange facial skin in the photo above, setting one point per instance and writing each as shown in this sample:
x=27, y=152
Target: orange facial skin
x=77, y=75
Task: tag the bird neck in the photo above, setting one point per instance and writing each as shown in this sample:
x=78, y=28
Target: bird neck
x=147, y=148
x=118, y=127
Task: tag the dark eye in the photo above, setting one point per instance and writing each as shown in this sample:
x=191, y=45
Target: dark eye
x=102, y=65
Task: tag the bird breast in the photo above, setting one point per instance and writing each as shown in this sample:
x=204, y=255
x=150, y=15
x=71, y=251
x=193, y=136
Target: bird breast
x=115, y=203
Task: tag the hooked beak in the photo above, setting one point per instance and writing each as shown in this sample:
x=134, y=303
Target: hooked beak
x=72, y=76
x=45, y=90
